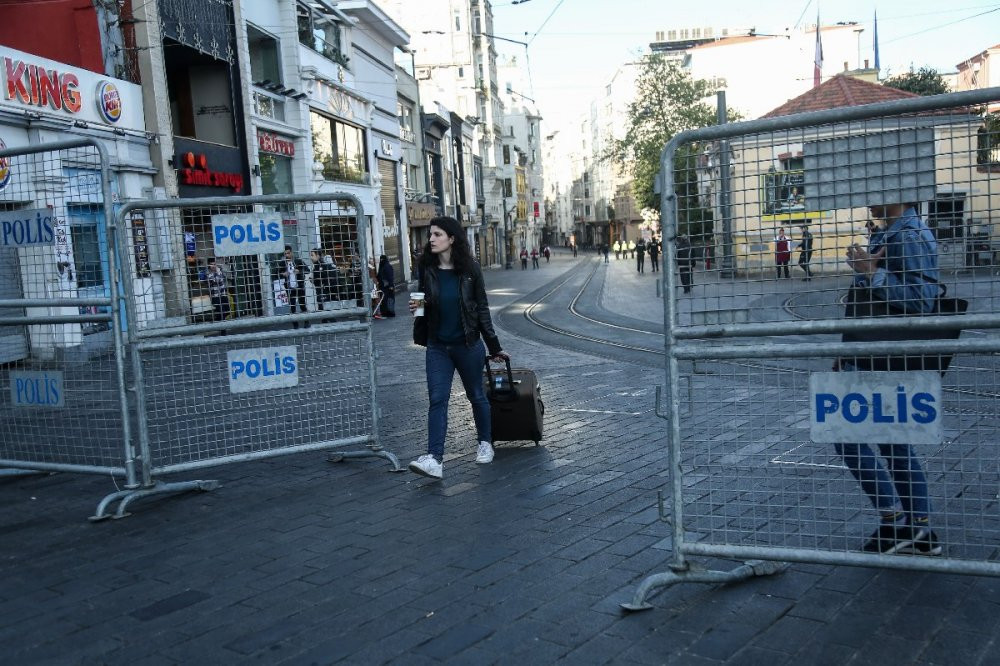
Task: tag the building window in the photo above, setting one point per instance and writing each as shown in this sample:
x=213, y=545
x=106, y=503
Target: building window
x=508, y=187
x=458, y=23
x=321, y=33
x=339, y=147
x=506, y=154
x=265, y=57
x=405, y=114
x=200, y=95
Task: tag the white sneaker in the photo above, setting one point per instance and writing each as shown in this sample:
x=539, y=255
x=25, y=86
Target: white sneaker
x=485, y=453
x=426, y=465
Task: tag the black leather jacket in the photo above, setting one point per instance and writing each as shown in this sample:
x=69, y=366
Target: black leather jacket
x=475, y=309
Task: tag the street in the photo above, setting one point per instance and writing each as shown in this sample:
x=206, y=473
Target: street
x=295, y=560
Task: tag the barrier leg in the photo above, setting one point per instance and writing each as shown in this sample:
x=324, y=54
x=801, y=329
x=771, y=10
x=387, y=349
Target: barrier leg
x=689, y=575
x=158, y=488
x=341, y=456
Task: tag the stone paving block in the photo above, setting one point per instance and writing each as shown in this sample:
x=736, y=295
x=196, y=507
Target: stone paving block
x=453, y=641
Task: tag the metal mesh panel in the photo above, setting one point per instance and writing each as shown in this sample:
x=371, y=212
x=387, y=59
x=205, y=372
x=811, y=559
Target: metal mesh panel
x=753, y=477
x=759, y=316
x=61, y=400
x=216, y=263
x=733, y=222
x=193, y=415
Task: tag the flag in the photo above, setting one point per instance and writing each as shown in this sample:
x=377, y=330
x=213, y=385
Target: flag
x=818, y=62
x=877, y=67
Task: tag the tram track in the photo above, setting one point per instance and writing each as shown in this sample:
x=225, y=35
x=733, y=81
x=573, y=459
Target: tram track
x=531, y=313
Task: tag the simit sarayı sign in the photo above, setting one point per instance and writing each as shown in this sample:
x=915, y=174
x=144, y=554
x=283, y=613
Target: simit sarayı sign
x=31, y=83
x=195, y=171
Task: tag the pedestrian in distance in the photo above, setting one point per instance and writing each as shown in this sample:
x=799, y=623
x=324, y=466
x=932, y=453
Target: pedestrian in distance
x=684, y=261
x=631, y=249
x=534, y=258
x=806, y=252
x=386, y=277
x=547, y=252
x=574, y=249
x=218, y=290
x=323, y=277
x=618, y=249
x=604, y=251
x=654, y=254
x=452, y=321
x=524, y=259
x=292, y=271
x=905, y=282
x=640, y=256
x=782, y=252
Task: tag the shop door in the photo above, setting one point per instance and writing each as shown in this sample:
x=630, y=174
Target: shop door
x=390, y=206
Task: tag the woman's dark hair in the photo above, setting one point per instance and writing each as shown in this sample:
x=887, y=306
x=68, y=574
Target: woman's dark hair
x=461, y=255
x=382, y=259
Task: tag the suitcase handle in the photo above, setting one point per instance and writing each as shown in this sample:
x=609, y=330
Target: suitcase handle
x=510, y=377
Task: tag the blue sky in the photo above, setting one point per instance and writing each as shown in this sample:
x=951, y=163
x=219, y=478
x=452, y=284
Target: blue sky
x=576, y=45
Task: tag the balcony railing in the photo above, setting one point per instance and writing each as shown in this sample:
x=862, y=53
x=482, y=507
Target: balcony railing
x=406, y=134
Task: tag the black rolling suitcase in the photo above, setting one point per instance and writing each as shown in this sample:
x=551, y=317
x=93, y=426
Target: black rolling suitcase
x=515, y=404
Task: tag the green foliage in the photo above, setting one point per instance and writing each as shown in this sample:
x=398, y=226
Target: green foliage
x=924, y=81
x=667, y=102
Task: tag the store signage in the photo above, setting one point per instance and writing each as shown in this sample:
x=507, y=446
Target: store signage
x=387, y=148
x=262, y=368
x=31, y=388
x=243, y=234
x=195, y=171
x=272, y=143
x=32, y=83
x=109, y=101
x=27, y=228
x=5, y=169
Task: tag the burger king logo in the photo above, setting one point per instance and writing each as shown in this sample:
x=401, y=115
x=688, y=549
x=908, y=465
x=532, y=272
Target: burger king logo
x=4, y=167
x=109, y=102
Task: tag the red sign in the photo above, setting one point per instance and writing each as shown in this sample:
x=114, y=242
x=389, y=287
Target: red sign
x=31, y=84
x=536, y=208
x=272, y=143
x=196, y=172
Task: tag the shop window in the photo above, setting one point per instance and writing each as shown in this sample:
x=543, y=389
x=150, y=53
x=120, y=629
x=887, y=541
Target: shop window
x=339, y=147
x=321, y=33
x=275, y=174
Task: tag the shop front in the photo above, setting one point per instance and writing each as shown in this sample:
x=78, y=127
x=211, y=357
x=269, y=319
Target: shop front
x=44, y=101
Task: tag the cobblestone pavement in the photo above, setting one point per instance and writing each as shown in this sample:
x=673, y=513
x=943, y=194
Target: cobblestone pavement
x=298, y=561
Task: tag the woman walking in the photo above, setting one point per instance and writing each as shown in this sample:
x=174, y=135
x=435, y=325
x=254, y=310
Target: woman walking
x=454, y=325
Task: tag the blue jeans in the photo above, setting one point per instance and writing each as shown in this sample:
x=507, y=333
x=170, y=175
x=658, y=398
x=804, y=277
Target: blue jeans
x=904, y=480
x=441, y=362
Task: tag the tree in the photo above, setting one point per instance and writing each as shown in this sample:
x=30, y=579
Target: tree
x=924, y=81
x=667, y=102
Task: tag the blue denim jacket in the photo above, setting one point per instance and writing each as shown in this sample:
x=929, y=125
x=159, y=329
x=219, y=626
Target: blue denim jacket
x=909, y=280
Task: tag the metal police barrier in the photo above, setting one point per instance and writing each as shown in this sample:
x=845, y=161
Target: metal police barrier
x=250, y=333
x=798, y=433
x=62, y=373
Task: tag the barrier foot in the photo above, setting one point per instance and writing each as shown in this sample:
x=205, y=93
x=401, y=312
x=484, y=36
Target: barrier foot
x=16, y=473
x=742, y=572
x=341, y=456
x=158, y=488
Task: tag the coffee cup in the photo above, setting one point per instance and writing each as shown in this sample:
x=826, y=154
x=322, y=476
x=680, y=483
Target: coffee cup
x=418, y=298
